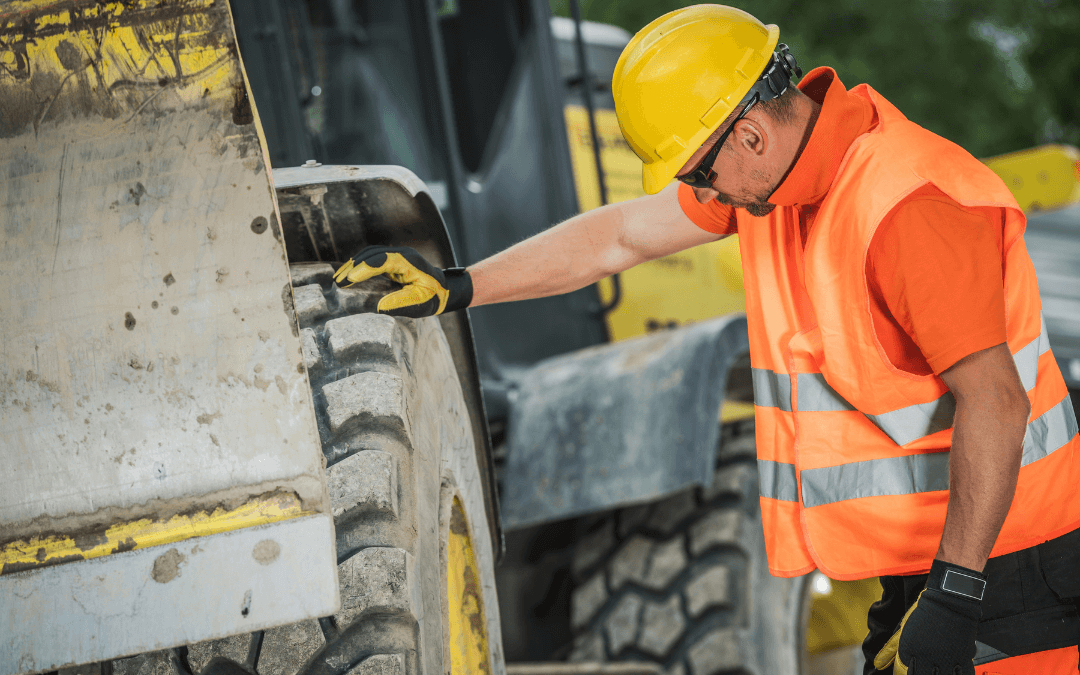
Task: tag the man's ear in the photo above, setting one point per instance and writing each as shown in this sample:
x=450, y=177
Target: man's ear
x=750, y=136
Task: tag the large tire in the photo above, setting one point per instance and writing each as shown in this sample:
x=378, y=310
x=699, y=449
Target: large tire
x=404, y=482
x=684, y=582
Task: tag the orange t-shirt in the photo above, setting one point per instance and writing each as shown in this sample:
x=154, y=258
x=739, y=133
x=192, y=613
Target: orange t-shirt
x=934, y=268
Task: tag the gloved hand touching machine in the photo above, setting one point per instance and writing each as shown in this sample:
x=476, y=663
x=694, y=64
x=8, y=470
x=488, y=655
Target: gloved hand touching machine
x=937, y=635
x=427, y=290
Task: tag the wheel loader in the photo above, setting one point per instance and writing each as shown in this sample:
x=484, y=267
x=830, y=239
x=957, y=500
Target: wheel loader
x=217, y=461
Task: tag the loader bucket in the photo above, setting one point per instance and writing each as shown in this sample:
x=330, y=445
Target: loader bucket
x=162, y=473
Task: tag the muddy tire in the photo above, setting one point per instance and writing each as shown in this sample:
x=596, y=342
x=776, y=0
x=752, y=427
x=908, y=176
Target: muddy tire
x=684, y=583
x=406, y=494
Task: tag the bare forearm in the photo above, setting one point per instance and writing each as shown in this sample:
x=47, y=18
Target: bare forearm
x=988, y=436
x=587, y=248
x=569, y=256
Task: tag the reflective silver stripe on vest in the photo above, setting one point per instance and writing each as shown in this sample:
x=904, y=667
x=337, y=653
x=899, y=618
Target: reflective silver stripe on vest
x=771, y=390
x=904, y=425
x=1049, y=431
x=776, y=480
x=815, y=394
x=1027, y=359
x=915, y=421
x=876, y=477
x=928, y=472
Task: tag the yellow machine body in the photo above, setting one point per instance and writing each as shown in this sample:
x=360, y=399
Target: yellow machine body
x=1041, y=178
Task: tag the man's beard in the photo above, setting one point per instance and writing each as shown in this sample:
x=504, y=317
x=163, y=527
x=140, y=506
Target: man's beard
x=756, y=208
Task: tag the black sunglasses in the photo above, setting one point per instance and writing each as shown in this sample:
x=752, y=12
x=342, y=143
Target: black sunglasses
x=703, y=175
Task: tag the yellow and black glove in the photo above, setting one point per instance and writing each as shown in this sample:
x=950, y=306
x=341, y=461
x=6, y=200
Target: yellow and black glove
x=428, y=290
x=937, y=635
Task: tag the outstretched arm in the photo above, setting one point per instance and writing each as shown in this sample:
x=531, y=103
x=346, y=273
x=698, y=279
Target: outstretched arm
x=586, y=248
x=569, y=256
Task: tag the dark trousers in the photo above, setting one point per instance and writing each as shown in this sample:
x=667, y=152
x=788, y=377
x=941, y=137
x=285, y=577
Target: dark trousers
x=1030, y=604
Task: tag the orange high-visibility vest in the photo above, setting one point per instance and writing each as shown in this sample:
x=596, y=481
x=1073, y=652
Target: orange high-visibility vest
x=853, y=454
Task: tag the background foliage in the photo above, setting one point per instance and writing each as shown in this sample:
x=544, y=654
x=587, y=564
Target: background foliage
x=991, y=75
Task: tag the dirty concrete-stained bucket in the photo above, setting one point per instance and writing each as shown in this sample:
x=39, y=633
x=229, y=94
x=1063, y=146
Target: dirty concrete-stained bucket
x=161, y=468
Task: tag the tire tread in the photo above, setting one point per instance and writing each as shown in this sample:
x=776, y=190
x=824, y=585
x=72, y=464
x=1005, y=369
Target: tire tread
x=668, y=582
x=358, y=366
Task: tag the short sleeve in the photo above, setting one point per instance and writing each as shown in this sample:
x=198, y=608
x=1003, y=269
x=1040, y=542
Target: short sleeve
x=935, y=274
x=712, y=217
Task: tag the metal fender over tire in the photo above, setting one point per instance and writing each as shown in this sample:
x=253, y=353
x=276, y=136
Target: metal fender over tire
x=415, y=559
x=683, y=582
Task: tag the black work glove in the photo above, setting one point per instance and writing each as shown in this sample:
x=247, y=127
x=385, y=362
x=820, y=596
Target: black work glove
x=937, y=635
x=428, y=290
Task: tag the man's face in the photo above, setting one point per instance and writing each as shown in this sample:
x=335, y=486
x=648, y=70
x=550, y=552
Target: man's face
x=741, y=181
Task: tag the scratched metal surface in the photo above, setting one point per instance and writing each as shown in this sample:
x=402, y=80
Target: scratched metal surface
x=149, y=361
x=156, y=598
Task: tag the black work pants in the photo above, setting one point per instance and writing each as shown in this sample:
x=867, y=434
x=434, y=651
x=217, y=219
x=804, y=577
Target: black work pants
x=1030, y=604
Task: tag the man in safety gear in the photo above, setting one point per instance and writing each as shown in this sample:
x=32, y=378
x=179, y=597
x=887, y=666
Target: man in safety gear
x=911, y=420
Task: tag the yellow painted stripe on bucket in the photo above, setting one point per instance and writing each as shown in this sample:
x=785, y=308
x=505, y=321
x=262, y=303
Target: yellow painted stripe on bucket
x=52, y=550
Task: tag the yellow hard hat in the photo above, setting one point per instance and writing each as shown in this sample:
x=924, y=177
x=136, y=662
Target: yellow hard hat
x=679, y=79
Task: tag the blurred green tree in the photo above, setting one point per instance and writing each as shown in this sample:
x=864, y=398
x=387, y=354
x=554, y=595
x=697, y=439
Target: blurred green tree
x=992, y=75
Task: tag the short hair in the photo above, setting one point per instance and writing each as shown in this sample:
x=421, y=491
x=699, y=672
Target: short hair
x=781, y=109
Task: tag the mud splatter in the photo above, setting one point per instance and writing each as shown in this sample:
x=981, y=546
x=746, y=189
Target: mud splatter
x=128, y=544
x=241, y=113
x=137, y=192
x=266, y=551
x=167, y=566
x=84, y=541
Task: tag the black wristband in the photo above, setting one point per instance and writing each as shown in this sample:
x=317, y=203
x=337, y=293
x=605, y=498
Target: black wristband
x=956, y=580
x=459, y=285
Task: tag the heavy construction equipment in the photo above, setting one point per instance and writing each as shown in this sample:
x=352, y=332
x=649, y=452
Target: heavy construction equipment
x=199, y=442
x=147, y=253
